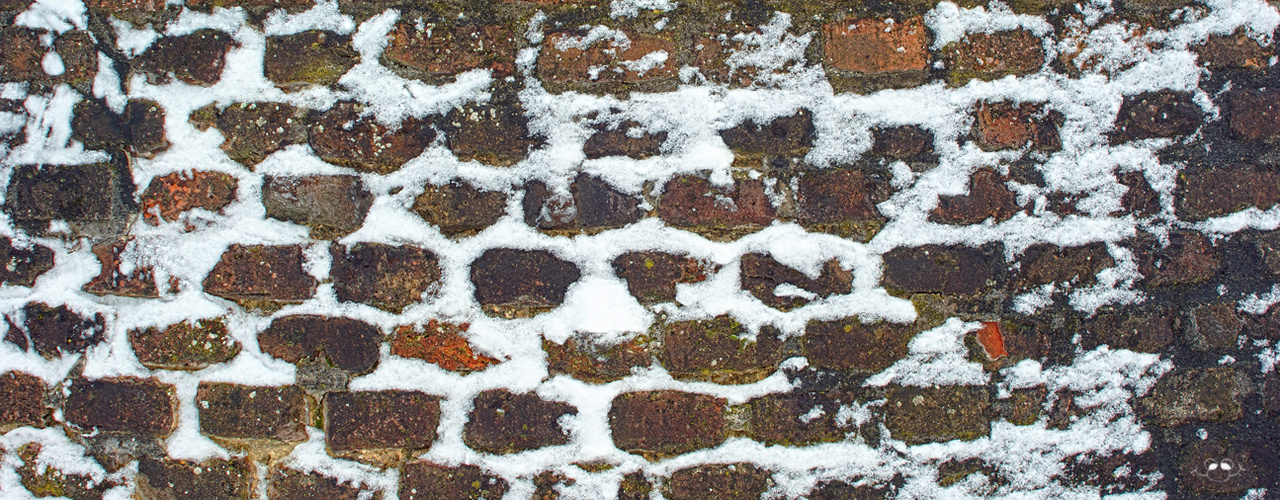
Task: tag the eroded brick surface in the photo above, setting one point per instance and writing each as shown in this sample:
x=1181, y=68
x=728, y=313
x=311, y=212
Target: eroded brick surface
x=693, y=202
x=1008, y=125
x=496, y=132
x=350, y=345
x=589, y=361
x=168, y=196
x=55, y=331
x=780, y=136
x=138, y=406
x=988, y=198
x=331, y=205
x=877, y=45
x=663, y=423
x=86, y=196
x=762, y=277
x=1197, y=395
x=504, y=422
x=255, y=130
x=384, y=276
x=990, y=56
x=441, y=344
x=21, y=400
x=652, y=276
x=380, y=419
x=931, y=415
x=112, y=280
x=345, y=136
x=736, y=481
x=719, y=350
x=197, y=58
x=439, y=50
x=184, y=345
x=567, y=58
x=248, y=412
x=425, y=480
x=23, y=264
x=459, y=208
x=850, y=344
x=313, y=57
x=616, y=139
x=257, y=272
x=289, y=484
x=1156, y=114
x=514, y=282
x=173, y=479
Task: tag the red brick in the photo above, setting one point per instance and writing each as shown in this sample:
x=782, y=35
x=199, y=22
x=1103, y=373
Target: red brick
x=173, y=479
x=168, y=196
x=503, y=422
x=79, y=57
x=691, y=201
x=1216, y=191
x=425, y=480
x=248, y=412
x=988, y=198
x=656, y=424
x=938, y=269
x=652, y=276
x=257, y=272
x=184, y=346
x=711, y=56
x=494, y=132
x=1254, y=114
x=874, y=46
x=384, y=276
x=1150, y=115
x=841, y=201
x=1009, y=125
x=604, y=60
x=441, y=344
x=761, y=275
x=458, y=208
x=111, y=281
x=736, y=481
x=991, y=340
x=333, y=206
x=849, y=344
x=285, y=4
x=716, y=350
x=596, y=205
x=786, y=419
x=23, y=265
x=126, y=5
x=350, y=345
x=255, y=130
x=23, y=54
x=938, y=414
x=991, y=56
x=438, y=50
x=1235, y=51
x=21, y=400
x=784, y=135
x=55, y=331
x=1188, y=258
x=137, y=406
x=588, y=361
x=344, y=136
x=289, y=484
x=295, y=62
x=379, y=420
x=1076, y=266
x=614, y=139
x=511, y=282
x=196, y=59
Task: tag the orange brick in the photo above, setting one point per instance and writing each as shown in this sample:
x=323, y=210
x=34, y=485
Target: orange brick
x=603, y=61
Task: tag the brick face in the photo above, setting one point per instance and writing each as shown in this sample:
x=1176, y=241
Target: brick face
x=383, y=419
x=504, y=422
x=246, y=412
x=516, y=282
x=990, y=56
x=693, y=202
x=718, y=350
x=351, y=345
x=439, y=50
x=197, y=59
x=121, y=405
x=875, y=46
x=425, y=480
x=566, y=59
x=21, y=400
x=256, y=272
x=384, y=276
x=664, y=423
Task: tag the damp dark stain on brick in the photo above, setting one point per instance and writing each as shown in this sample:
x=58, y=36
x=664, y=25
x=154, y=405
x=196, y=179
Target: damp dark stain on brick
x=384, y=276
x=380, y=419
x=333, y=206
x=841, y=201
x=128, y=405
x=762, y=275
x=1194, y=395
x=788, y=419
x=259, y=272
x=942, y=269
x=932, y=415
x=784, y=135
x=625, y=138
x=663, y=423
x=1151, y=115
x=1188, y=257
x=22, y=264
x=249, y=412
x=21, y=400
x=652, y=276
x=503, y=422
x=215, y=478
x=184, y=345
x=86, y=196
x=346, y=136
x=350, y=345
x=55, y=331
x=425, y=480
x=1254, y=114
x=1234, y=52
x=907, y=143
x=197, y=58
x=168, y=196
x=458, y=208
x=511, y=282
x=735, y=481
x=1136, y=331
x=294, y=62
x=139, y=128
x=849, y=344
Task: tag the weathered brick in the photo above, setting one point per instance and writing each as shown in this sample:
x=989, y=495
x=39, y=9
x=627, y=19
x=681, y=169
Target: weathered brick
x=457, y=208
x=588, y=361
x=380, y=419
x=693, y=202
x=1046, y=263
x=384, y=276
x=1215, y=191
x=1235, y=51
x=248, y=412
x=290, y=5
x=42, y=480
x=781, y=136
x=652, y=276
x=876, y=46
x=184, y=345
x=290, y=484
x=1213, y=326
x=255, y=130
x=138, y=129
x=656, y=424
x=294, y=62
x=595, y=205
x=140, y=282
x=716, y=350
x=1137, y=332
x=494, y=132
x=345, y=136
x=92, y=198
x=168, y=196
x=349, y=344
x=258, y=272
x=197, y=58
x=712, y=51
x=126, y=5
x=1149, y=115
x=425, y=480
x=23, y=265
x=788, y=419
x=1194, y=395
x=1022, y=407
x=849, y=344
x=1254, y=114
x=635, y=486
x=1267, y=244
x=1219, y=467
x=174, y=479
x=128, y=405
x=441, y=344
x=841, y=201
x=331, y=205
x=23, y=54
x=628, y=58
x=1140, y=199
x=547, y=485
x=438, y=50
x=736, y=481
x=930, y=415
x=991, y=56
x=54, y=331
x=1271, y=394
x=616, y=139
x=761, y=276
x=21, y=400
x=503, y=422
x=511, y=282
x=79, y=57
x=840, y=490
x=1010, y=125
x=941, y=269
x=906, y=143
x=1188, y=258
x=988, y=198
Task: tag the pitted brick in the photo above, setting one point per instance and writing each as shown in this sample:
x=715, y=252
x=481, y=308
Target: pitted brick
x=350, y=345
x=140, y=282
x=55, y=331
x=347, y=137
x=761, y=275
x=718, y=350
x=331, y=205
x=939, y=414
x=503, y=422
x=494, y=132
x=850, y=344
x=290, y=484
x=388, y=277
x=735, y=481
x=258, y=272
x=21, y=400
x=438, y=50
x=294, y=62
x=175, y=479
x=1194, y=395
x=656, y=424
x=184, y=345
x=168, y=196
x=249, y=412
x=652, y=276
x=991, y=56
x=23, y=263
x=510, y=282
x=425, y=480
x=458, y=208
x=127, y=405
x=1010, y=125
x=1150, y=115
x=588, y=361
x=196, y=59
x=441, y=344
x=380, y=419
x=693, y=202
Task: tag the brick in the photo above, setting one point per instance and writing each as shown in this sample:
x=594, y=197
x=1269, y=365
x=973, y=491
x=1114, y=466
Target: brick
x=906, y=143
x=139, y=129
x=635, y=486
x=184, y=345
x=1076, y=266
x=548, y=209
x=384, y=276
x=168, y=196
x=616, y=139
x=1235, y=51
x=933, y=415
x=441, y=344
x=380, y=419
x=761, y=276
x=145, y=122
x=290, y=484
x=1188, y=258
x=86, y=196
x=350, y=345
x=656, y=424
x=784, y=135
x=291, y=5
x=988, y=198
x=42, y=480
x=1213, y=326
x=1216, y=191
x=1150, y=115
x=1219, y=467
x=788, y=420
x=1194, y=395
x=111, y=280
x=438, y=50
x=693, y=202
x=128, y=405
x=875, y=46
x=333, y=206
x=942, y=269
x=1140, y=199
x=458, y=208
x=1010, y=125
x=1254, y=114
x=1271, y=394
x=594, y=362
x=566, y=58
x=652, y=276
x=295, y=62
x=197, y=58
x=55, y=331
x=595, y=205
x=840, y=490
x=248, y=412
x=503, y=422
x=345, y=137
x=79, y=57
x=21, y=401
x=842, y=200
x=851, y=345
x=1022, y=407
x=425, y=480
x=22, y=266
x=259, y=272
x=494, y=132
x=511, y=282
x=991, y=56
x=23, y=54
x=547, y=485
x=1136, y=332
x=736, y=481
x=717, y=350
x=1268, y=245
x=255, y=130
x=173, y=479
x=126, y=5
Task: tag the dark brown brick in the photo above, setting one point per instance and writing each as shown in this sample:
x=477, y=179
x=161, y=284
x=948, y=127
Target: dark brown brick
x=992, y=56
x=1235, y=51
x=438, y=50
x=1271, y=394
x=785, y=135
x=79, y=57
x=184, y=345
x=1188, y=257
x=333, y=206
x=295, y=62
x=494, y=132
x=174, y=479
x=503, y=422
x=841, y=200
x=441, y=344
x=761, y=275
x=23, y=263
x=588, y=361
x=786, y=419
x=23, y=54
x=1254, y=114
x=126, y=5
x=248, y=412
x=876, y=46
x=168, y=196
x=289, y=484
x=1219, y=467
x=144, y=121
x=139, y=129
x=1194, y=395
x=840, y=490
x=1140, y=200
x=54, y=331
x=988, y=198
x=560, y=61
x=349, y=344
x=21, y=400
x=716, y=350
x=196, y=59
x=547, y=485
x=257, y=272
x=652, y=276
x=1076, y=266
x=615, y=139
x=1011, y=125
x=1149, y=115
x=1217, y=191
x=1137, y=332
x=425, y=480
x=86, y=196
x=384, y=276
x=907, y=143
x=593, y=205
x=736, y=481
x=939, y=269
x=849, y=344
x=290, y=5
x=140, y=282
x=42, y=480
x=938, y=414
x=692, y=202
x=518, y=282
x=458, y=208
x=1268, y=245
x=655, y=424
x=255, y=130
x=382, y=419
x=634, y=486
x=345, y=137
x=128, y=405
x=1213, y=326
